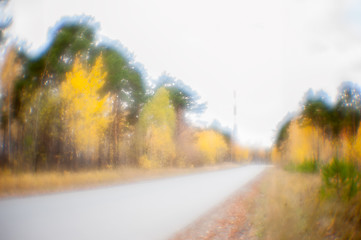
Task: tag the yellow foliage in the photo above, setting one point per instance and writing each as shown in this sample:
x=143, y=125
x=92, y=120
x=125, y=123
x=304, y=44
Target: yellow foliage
x=160, y=146
x=144, y=162
x=275, y=155
x=351, y=148
x=240, y=154
x=212, y=145
x=304, y=142
x=86, y=114
x=300, y=141
x=156, y=132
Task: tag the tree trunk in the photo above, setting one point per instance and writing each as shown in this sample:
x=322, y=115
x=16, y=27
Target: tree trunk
x=9, y=130
x=99, y=157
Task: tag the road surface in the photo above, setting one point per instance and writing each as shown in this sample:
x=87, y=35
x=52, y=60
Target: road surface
x=149, y=210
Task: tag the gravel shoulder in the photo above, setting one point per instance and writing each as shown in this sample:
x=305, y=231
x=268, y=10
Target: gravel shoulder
x=230, y=220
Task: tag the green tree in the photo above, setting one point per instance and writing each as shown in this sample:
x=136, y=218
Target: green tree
x=69, y=39
x=316, y=113
x=156, y=131
x=282, y=133
x=126, y=86
x=185, y=100
x=182, y=96
x=349, y=105
x=42, y=130
x=5, y=20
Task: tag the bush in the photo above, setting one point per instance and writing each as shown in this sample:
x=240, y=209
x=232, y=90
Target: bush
x=340, y=178
x=307, y=166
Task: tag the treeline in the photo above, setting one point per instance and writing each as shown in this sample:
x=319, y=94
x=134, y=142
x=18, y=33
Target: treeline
x=322, y=130
x=82, y=103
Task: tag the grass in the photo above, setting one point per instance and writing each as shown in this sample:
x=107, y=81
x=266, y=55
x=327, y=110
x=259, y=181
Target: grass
x=290, y=207
x=23, y=184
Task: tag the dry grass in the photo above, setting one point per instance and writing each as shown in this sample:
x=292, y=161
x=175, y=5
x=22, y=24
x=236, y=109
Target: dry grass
x=290, y=207
x=24, y=184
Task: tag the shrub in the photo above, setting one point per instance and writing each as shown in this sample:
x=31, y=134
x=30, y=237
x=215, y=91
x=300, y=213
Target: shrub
x=340, y=177
x=307, y=166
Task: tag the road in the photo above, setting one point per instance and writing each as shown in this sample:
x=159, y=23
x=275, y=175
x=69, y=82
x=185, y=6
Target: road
x=149, y=210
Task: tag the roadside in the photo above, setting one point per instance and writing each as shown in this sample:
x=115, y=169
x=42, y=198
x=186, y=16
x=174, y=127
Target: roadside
x=279, y=205
x=286, y=207
x=25, y=184
x=291, y=206
x=231, y=220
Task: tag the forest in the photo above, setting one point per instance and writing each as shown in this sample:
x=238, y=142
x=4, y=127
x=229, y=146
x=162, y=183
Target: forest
x=324, y=136
x=86, y=104
x=318, y=182
x=322, y=130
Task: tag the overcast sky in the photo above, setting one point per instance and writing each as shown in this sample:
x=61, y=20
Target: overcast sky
x=269, y=51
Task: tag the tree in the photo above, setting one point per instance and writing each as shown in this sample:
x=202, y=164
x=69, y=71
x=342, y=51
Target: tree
x=9, y=72
x=69, y=38
x=185, y=100
x=282, y=135
x=301, y=142
x=347, y=116
x=240, y=154
x=156, y=131
x=125, y=84
x=316, y=113
x=123, y=79
x=348, y=106
x=182, y=96
x=86, y=115
x=283, y=131
x=42, y=129
x=335, y=127
x=5, y=21
x=212, y=145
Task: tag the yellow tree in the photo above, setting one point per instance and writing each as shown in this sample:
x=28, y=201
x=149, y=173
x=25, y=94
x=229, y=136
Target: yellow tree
x=85, y=113
x=352, y=148
x=240, y=154
x=212, y=146
x=299, y=144
x=156, y=132
x=9, y=72
x=303, y=144
x=276, y=155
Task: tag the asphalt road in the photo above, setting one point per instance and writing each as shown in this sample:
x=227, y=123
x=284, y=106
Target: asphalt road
x=149, y=210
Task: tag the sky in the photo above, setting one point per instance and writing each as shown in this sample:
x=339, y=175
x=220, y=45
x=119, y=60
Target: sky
x=270, y=52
